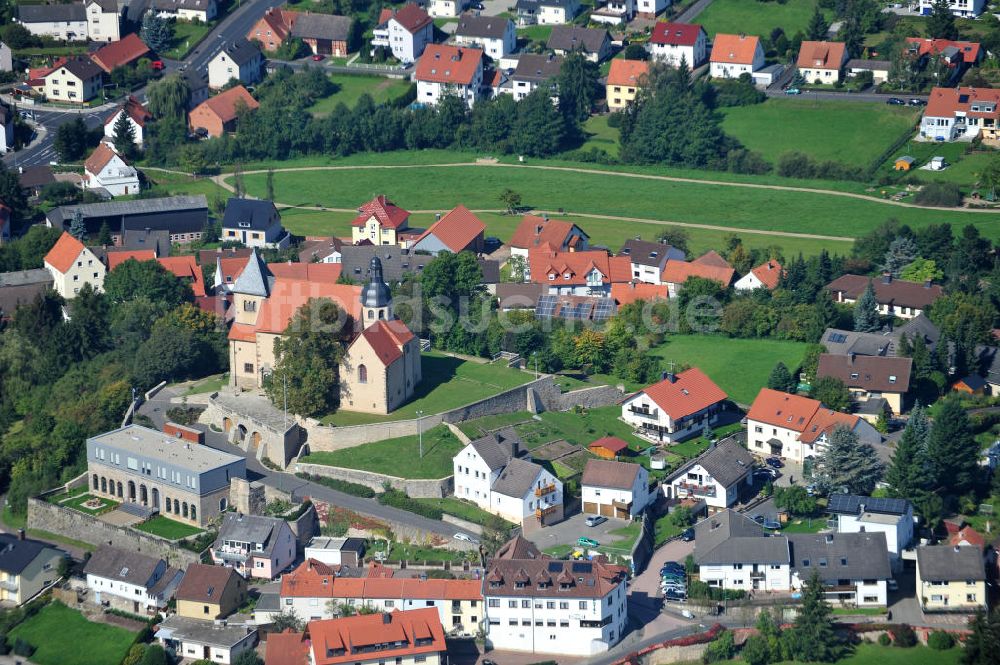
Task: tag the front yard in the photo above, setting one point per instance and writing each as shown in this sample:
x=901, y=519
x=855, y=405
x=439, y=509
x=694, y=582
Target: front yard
x=756, y=18
x=351, y=87
x=398, y=457
x=62, y=636
x=167, y=528
x=461, y=509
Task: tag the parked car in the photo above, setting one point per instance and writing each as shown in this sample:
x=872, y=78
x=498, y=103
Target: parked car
x=672, y=578
x=759, y=519
x=895, y=101
x=594, y=520
x=673, y=565
x=793, y=91
x=587, y=542
x=676, y=597
x=774, y=462
x=770, y=473
x=157, y=65
x=917, y=102
x=465, y=537
x=771, y=524
x=688, y=535
x=317, y=57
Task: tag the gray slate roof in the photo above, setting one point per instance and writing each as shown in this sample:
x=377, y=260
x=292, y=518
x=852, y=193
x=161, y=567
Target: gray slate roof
x=83, y=68
x=135, y=207
x=840, y=556
x=841, y=342
x=397, y=262
x=574, y=38
x=16, y=555
x=516, y=478
x=203, y=632
x=257, y=212
x=25, y=277
x=495, y=450
x=537, y=68
x=944, y=563
x=486, y=27
x=157, y=240
x=47, y=13
x=250, y=529
x=646, y=253
x=256, y=278
x=727, y=462
x=322, y=26
x=732, y=537
x=857, y=63
x=121, y=565
x=242, y=51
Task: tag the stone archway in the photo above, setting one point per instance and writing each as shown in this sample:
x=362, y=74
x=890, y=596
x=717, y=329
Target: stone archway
x=120, y=493
x=131, y=491
x=156, y=498
x=241, y=434
x=97, y=483
x=143, y=495
x=255, y=440
x=104, y=485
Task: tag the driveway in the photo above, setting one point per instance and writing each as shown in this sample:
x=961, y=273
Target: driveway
x=569, y=530
x=496, y=7
x=644, y=597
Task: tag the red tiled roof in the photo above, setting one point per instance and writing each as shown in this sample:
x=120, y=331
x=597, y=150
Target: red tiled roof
x=825, y=421
x=822, y=55
x=287, y=296
x=118, y=257
x=385, y=211
x=64, y=252
x=783, y=409
x=287, y=648
x=678, y=272
x=969, y=50
x=572, y=268
x=631, y=73
x=690, y=392
x=945, y=102
x=612, y=443
x=312, y=579
x=309, y=272
x=961, y=532
x=42, y=72
x=186, y=269
x=233, y=268
x=456, y=230
x=442, y=63
x=224, y=104
x=280, y=22
x=676, y=34
x=385, y=15
x=536, y=231
x=769, y=273
x=625, y=294
x=336, y=641
x=712, y=258
x=135, y=110
x=386, y=339
x=122, y=52
x=412, y=17
x=738, y=49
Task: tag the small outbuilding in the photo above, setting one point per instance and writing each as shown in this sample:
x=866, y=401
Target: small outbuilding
x=938, y=163
x=904, y=163
x=608, y=447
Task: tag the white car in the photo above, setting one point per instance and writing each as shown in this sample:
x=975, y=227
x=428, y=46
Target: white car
x=465, y=537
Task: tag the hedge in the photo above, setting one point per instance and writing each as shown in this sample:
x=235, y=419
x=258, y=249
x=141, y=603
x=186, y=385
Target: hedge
x=354, y=489
x=397, y=499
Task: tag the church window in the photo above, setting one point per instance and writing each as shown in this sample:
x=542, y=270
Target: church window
x=362, y=374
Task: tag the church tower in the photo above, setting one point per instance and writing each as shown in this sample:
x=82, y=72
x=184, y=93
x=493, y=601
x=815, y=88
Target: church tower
x=376, y=298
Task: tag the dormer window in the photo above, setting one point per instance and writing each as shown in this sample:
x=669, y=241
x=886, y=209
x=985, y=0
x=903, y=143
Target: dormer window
x=854, y=375
x=892, y=378
x=244, y=225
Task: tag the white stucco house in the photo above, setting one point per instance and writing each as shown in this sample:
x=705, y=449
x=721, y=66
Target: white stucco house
x=733, y=552
x=715, y=477
x=108, y=170
x=496, y=35
x=449, y=70
x=130, y=581
x=240, y=60
x=406, y=32
x=614, y=489
x=960, y=8
x=677, y=408
x=734, y=55
x=671, y=43
x=72, y=265
x=893, y=517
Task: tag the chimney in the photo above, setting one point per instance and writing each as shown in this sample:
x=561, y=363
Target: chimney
x=437, y=216
x=850, y=358
x=386, y=618
x=20, y=534
x=927, y=283
x=886, y=278
x=668, y=376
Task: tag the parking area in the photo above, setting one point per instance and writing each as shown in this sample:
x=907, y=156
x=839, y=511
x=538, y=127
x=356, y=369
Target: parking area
x=569, y=530
x=644, y=598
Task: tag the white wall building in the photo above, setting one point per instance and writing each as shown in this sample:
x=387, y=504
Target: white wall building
x=72, y=265
x=854, y=567
x=614, y=489
x=406, y=33
x=678, y=407
x=103, y=20
x=893, y=517
x=496, y=35
x=715, y=477
x=960, y=8
x=108, y=170
x=240, y=59
x=193, y=639
x=735, y=55
x=672, y=42
x=130, y=581
x=449, y=70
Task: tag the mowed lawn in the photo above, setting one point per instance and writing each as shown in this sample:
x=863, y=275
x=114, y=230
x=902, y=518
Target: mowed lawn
x=350, y=88
x=62, y=636
x=754, y=17
x=608, y=193
x=600, y=135
x=398, y=457
x=738, y=366
x=446, y=383
x=874, y=654
x=848, y=132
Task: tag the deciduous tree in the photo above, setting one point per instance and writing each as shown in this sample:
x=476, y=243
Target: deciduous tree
x=832, y=392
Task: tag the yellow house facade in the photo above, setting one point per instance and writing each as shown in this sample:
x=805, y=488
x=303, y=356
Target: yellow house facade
x=950, y=578
x=210, y=592
x=625, y=78
x=379, y=222
x=26, y=567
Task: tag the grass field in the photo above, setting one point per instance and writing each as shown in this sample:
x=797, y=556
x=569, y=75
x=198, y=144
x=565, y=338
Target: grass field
x=480, y=426
x=208, y=385
x=963, y=170
x=756, y=18
x=172, y=184
x=350, y=88
x=446, y=383
x=167, y=528
x=600, y=135
x=186, y=37
x=873, y=654
x=601, y=193
x=398, y=457
x=847, y=132
x=463, y=509
x=76, y=503
x=62, y=636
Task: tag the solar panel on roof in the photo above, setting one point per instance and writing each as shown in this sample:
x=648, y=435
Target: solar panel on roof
x=604, y=309
x=555, y=566
x=582, y=567
x=546, y=306
x=837, y=338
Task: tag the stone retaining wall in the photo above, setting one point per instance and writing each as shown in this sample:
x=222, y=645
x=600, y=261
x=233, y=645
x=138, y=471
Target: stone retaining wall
x=418, y=489
x=471, y=527
x=80, y=526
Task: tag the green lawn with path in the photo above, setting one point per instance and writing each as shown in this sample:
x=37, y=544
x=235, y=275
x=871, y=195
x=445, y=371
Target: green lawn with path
x=167, y=528
x=76, y=503
x=848, y=132
x=447, y=383
x=480, y=426
x=579, y=428
x=874, y=654
x=62, y=636
x=351, y=87
x=753, y=17
x=398, y=457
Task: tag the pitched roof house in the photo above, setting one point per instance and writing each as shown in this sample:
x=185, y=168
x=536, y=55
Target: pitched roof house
x=120, y=53
x=582, y=273
x=765, y=276
x=649, y=258
x=532, y=71
x=324, y=34
x=962, y=113
x=543, y=233
x=406, y=31
x=821, y=61
x=75, y=80
x=707, y=266
x=950, y=578
x=382, y=222
x=870, y=378
x=451, y=70
x=254, y=223
x=239, y=59
x=954, y=52
x=130, y=581
x=273, y=27
x=614, y=489
x=494, y=34
x=593, y=43
x=217, y=115
x=72, y=265
x=411, y=636
x=28, y=567
x=137, y=115
x=678, y=407
x=733, y=55
x=625, y=78
x=187, y=10
x=210, y=592
x=895, y=297
x=715, y=477
x=253, y=545
x=458, y=231
x=108, y=171
x=672, y=42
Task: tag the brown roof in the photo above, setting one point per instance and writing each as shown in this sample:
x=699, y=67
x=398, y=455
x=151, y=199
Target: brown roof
x=456, y=230
x=36, y=176
x=412, y=17
x=783, y=409
x=565, y=268
x=287, y=648
x=612, y=443
x=534, y=231
x=887, y=291
x=135, y=110
x=203, y=583
x=871, y=373
x=126, y=50
x=385, y=211
x=519, y=296
x=387, y=339
x=689, y=392
x=224, y=104
x=609, y=473
x=98, y=159
x=442, y=63
x=735, y=48
x=821, y=55
x=625, y=294
x=678, y=272
x=592, y=579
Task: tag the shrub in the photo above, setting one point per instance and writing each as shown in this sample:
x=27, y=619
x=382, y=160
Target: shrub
x=699, y=589
x=354, y=489
x=903, y=636
x=720, y=649
x=184, y=415
x=940, y=194
x=884, y=640
x=23, y=648
x=200, y=542
x=940, y=640
x=397, y=499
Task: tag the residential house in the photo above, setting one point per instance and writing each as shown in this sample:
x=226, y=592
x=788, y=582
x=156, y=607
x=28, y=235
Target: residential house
x=315, y=591
x=336, y=551
x=273, y=28
x=821, y=62
x=962, y=114
x=597, y=307
x=677, y=408
x=382, y=222
x=893, y=517
x=103, y=20
x=582, y=273
x=960, y=8
x=625, y=78
x=240, y=60
x=878, y=68
x=494, y=34
x=532, y=71
x=958, y=55
x=197, y=83
x=765, y=276
x=614, y=12
x=152, y=470
x=458, y=231
x=491, y=473
x=254, y=223
x=218, y=115
x=546, y=12
x=106, y=169
x=406, y=32
x=254, y=546
x=193, y=639
x=895, y=297
x=854, y=567
x=449, y=70
x=649, y=9
x=614, y=489
x=21, y=288
x=796, y=428
x=951, y=578
x=72, y=265
x=649, y=258
x=870, y=378
x=182, y=217
x=324, y=34
x=554, y=235
x=27, y=567
x=128, y=581
x=734, y=55
x=732, y=552
x=121, y=53
x=33, y=179
x=77, y=80
x=718, y=476
x=671, y=43
x=187, y=10
x=325, y=250
x=67, y=22
x=625, y=294
x=445, y=8
x=413, y=636
x=544, y=605
x=593, y=43
x=885, y=343
x=6, y=58
x=210, y=592
x=707, y=266
x=137, y=116
x=6, y=132
x=186, y=270
x=608, y=447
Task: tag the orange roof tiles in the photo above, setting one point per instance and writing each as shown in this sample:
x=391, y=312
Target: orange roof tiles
x=612, y=443
x=385, y=211
x=224, y=104
x=822, y=55
x=64, y=252
x=386, y=339
x=288, y=295
x=945, y=102
x=442, y=63
x=678, y=272
x=310, y=272
x=337, y=641
x=534, y=231
x=689, y=392
x=625, y=294
x=825, y=421
x=135, y=110
x=116, y=258
x=122, y=52
x=232, y=268
x=630, y=73
x=738, y=49
x=186, y=269
x=98, y=159
x=783, y=409
x=769, y=273
x=312, y=579
x=456, y=230
x=287, y=648
x=969, y=50
x=572, y=268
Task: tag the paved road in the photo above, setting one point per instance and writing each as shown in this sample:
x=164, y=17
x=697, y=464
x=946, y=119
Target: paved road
x=41, y=151
x=692, y=12
x=843, y=96
x=156, y=409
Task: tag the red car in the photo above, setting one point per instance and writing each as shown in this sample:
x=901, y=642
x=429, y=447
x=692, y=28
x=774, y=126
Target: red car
x=317, y=58
x=158, y=65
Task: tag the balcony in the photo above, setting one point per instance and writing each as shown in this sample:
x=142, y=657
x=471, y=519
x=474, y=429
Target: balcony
x=622, y=505
x=644, y=413
x=9, y=585
x=540, y=513
x=757, y=575
x=546, y=489
x=696, y=490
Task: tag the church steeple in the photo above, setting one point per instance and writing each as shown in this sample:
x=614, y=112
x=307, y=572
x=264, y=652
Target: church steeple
x=376, y=298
